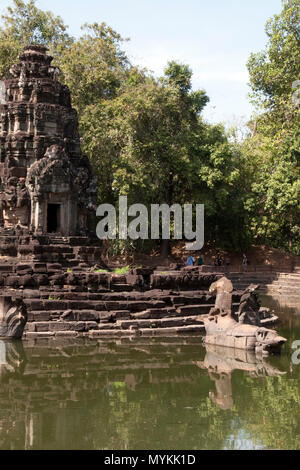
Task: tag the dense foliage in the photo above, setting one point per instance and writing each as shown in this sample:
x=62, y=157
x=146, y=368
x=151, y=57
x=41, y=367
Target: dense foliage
x=146, y=138
x=273, y=151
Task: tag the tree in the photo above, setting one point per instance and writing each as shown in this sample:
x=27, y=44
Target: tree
x=94, y=67
x=141, y=140
x=274, y=198
x=273, y=71
x=24, y=23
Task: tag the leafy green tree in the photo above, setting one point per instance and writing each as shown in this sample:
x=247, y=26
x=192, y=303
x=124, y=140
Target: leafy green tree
x=140, y=141
x=219, y=183
x=273, y=71
x=94, y=67
x=24, y=23
x=151, y=144
x=274, y=196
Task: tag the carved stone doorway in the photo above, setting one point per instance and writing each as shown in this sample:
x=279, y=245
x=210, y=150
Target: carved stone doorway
x=53, y=218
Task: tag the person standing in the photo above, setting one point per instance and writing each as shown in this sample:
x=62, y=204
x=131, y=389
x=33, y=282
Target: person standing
x=200, y=261
x=190, y=261
x=245, y=262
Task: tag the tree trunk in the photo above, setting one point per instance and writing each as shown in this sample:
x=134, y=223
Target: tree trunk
x=164, y=248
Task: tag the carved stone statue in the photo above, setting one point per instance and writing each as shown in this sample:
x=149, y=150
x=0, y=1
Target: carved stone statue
x=248, y=312
x=244, y=332
x=13, y=318
x=223, y=289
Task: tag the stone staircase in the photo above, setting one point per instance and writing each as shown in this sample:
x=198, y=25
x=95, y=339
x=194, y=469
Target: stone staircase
x=150, y=313
x=285, y=284
x=68, y=251
x=241, y=281
x=78, y=301
x=65, y=301
x=273, y=283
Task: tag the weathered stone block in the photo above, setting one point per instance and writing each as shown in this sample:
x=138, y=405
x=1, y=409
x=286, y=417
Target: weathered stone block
x=38, y=316
x=12, y=281
x=41, y=279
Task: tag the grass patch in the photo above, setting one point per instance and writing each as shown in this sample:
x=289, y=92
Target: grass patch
x=124, y=270
x=101, y=271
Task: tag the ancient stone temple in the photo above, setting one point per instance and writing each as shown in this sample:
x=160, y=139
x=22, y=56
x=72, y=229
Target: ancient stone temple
x=46, y=184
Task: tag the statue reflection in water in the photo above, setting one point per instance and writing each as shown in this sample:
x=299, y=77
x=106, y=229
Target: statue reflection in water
x=12, y=357
x=221, y=362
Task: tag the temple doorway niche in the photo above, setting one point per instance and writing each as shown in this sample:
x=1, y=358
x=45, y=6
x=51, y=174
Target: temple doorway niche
x=53, y=218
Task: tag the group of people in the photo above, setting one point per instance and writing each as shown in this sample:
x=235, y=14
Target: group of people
x=218, y=261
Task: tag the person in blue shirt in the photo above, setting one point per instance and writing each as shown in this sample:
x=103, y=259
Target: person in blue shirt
x=190, y=261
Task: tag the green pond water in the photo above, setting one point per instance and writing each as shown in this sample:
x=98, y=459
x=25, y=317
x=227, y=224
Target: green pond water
x=149, y=394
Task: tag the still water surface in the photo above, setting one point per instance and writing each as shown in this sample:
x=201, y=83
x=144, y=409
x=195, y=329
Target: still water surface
x=149, y=394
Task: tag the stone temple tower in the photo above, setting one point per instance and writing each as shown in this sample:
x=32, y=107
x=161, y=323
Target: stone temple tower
x=46, y=184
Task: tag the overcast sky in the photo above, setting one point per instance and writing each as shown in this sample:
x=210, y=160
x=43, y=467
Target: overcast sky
x=215, y=38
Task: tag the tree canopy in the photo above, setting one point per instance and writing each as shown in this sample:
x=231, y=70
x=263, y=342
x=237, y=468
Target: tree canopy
x=273, y=151
x=23, y=24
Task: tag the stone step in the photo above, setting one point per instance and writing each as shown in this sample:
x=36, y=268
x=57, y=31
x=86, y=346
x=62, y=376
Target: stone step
x=63, y=305
x=53, y=326
x=70, y=256
x=134, y=306
x=169, y=322
x=241, y=286
x=158, y=323
x=171, y=331
x=107, y=295
x=78, y=295
x=286, y=283
x=283, y=289
x=118, y=287
x=200, y=309
x=59, y=241
x=78, y=315
x=103, y=315
x=251, y=273
x=292, y=276
x=62, y=300
x=289, y=275
x=118, y=279
x=166, y=326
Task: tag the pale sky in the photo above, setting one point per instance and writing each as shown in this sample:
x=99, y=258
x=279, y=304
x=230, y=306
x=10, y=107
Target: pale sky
x=215, y=38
